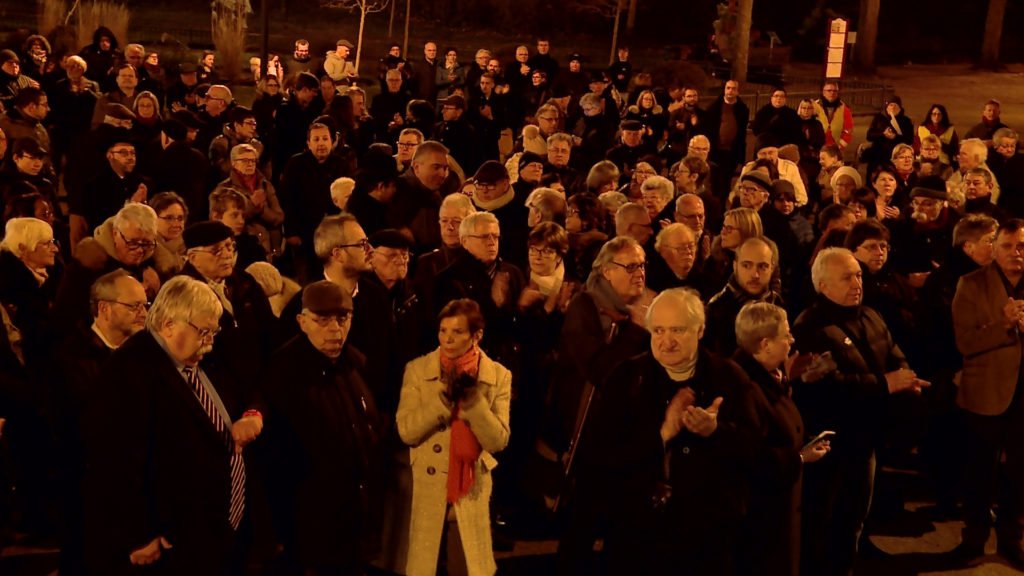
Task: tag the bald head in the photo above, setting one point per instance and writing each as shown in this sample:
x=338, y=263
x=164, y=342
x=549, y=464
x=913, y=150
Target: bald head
x=218, y=98
x=690, y=211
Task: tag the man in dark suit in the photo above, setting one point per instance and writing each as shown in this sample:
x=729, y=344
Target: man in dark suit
x=325, y=438
x=851, y=400
x=988, y=316
x=166, y=482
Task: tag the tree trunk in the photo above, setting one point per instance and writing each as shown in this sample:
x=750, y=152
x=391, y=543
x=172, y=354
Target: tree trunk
x=362, y=25
x=631, y=19
x=993, y=33
x=615, y=31
x=741, y=40
x=405, y=43
x=391, y=21
x=867, y=34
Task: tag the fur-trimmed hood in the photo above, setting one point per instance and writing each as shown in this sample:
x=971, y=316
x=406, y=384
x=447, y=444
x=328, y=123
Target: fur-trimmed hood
x=95, y=251
x=634, y=109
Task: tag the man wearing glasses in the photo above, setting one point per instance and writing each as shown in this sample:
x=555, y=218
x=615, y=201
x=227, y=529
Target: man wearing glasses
x=247, y=321
x=326, y=440
x=219, y=101
x=105, y=194
x=125, y=241
x=167, y=480
x=480, y=274
x=240, y=129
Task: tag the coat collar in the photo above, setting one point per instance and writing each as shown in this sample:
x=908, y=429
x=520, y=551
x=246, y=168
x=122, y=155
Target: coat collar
x=488, y=373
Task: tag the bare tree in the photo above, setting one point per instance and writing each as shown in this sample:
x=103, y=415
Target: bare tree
x=607, y=8
x=867, y=34
x=993, y=33
x=363, y=7
x=741, y=40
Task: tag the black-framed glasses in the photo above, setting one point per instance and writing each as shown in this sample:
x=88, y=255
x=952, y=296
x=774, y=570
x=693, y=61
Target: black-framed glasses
x=135, y=307
x=134, y=245
x=325, y=320
x=364, y=244
x=543, y=252
x=126, y=152
x=205, y=333
x=486, y=237
x=631, y=268
x=407, y=144
x=225, y=250
x=246, y=161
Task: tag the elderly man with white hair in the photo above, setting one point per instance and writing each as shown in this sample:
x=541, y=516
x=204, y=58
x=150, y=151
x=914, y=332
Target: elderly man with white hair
x=165, y=443
x=126, y=240
x=675, y=424
x=973, y=154
x=851, y=400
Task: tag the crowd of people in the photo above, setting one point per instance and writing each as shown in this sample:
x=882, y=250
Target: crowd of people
x=323, y=335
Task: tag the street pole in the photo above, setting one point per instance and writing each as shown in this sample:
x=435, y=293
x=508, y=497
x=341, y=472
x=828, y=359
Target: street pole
x=265, y=43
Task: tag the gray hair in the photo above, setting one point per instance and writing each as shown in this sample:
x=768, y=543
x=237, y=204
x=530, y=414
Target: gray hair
x=1005, y=132
x=459, y=202
x=135, y=213
x=976, y=147
x=899, y=149
x=625, y=213
x=613, y=247
x=472, y=221
x=757, y=321
x=429, y=147
x=28, y=232
x=413, y=132
x=823, y=260
x=182, y=298
x=669, y=230
x=104, y=289
x=239, y=149
x=560, y=137
x=684, y=198
x=330, y=234
x=661, y=185
x=685, y=299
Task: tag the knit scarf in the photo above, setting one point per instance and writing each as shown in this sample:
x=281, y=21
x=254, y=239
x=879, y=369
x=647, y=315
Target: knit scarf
x=498, y=202
x=465, y=449
x=548, y=284
x=610, y=306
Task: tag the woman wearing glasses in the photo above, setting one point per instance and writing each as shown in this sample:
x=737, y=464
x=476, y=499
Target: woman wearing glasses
x=171, y=218
x=454, y=414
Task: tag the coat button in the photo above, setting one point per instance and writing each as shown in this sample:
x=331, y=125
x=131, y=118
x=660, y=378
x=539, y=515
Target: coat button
x=431, y=470
x=437, y=448
x=686, y=449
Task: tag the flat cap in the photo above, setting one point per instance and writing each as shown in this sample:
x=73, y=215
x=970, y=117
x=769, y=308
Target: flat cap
x=206, y=233
x=757, y=177
x=631, y=125
x=9, y=56
x=389, y=238
x=30, y=146
x=326, y=297
x=346, y=44
x=491, y=172
x=454, y=100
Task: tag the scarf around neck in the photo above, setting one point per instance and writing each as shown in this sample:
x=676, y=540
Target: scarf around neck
x=464, y=447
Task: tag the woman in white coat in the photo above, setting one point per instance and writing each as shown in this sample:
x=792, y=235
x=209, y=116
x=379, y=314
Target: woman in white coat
x=453, y=413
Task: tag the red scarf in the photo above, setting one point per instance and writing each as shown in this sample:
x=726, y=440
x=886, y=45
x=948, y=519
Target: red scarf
x=250, y=182
x=465, y=449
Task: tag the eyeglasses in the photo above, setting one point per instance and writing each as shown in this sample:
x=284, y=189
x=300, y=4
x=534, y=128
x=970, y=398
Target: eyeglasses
x=875, y=246
x=173, y=219
x=325, y=320
x=407, y=144
x=127, y=153
x=727, y=229
x=631, y=268
x=364, y=244
x=486, y=237
x=136, y=307
x=905, y=157
x=249, y=123
x=542, y=252
x=246, y=161
x=750, y=190
x=225, y=250
x=394, y=257
x=205, y=333
x=134, y=245
x=547, y=118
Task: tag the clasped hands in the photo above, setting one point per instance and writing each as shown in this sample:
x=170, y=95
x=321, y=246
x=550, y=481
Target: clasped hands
x=245, y=430
x=1013, y=312
x=682, y=413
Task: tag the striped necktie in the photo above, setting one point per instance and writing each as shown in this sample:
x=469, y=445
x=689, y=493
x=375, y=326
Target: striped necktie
x=237, y=463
